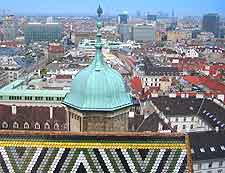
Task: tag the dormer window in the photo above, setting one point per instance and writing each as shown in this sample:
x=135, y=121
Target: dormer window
x=26, y=125
x=56, y=126
x=37, y=126
x=15, y=125
x=47, y=126
x=5, y=125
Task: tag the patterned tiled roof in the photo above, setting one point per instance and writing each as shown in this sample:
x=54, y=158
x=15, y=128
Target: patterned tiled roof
x=92, y=152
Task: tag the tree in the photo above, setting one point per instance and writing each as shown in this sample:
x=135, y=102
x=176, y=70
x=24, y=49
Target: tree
x=44, y=71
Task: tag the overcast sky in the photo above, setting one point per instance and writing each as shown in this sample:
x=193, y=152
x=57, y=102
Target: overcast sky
x=181, y=7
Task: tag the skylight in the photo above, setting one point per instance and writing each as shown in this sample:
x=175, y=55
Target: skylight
x=212, y=149
x=202, y=150
x=222, y=147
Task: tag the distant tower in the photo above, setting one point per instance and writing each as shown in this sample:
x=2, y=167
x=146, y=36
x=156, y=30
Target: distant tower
x=173, y=24
x=9, y=27
x=211, y=23
x=138, y=13
x=49, y=20
x=173, y=14
x=123, y=18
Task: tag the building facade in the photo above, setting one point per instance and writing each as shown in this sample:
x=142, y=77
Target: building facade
x=211, y=23
x=123, y=18
x=143, y=33
x=4, y=78
x=9, y=28
x=50, y=32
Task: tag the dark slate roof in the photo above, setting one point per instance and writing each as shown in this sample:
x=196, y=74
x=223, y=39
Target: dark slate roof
x=152, y=70
x=152, y=124
x=208, y=142
x=210, y=112
x=177, y=106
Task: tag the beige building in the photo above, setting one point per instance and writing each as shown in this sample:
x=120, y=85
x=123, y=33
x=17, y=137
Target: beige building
x=175, y=36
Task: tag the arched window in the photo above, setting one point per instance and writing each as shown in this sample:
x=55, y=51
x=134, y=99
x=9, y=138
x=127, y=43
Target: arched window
x=47, y=126
x=26, y=125
x=5, y=125
x=15, y=125
x=37, y=125
x=56, y=126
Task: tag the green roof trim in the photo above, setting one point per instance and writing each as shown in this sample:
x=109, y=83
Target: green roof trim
x=17, y=88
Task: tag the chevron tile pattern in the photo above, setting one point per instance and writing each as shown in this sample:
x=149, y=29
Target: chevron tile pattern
x=92, y=156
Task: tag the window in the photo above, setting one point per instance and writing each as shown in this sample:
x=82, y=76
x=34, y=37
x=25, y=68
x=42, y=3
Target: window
x=210, y=165
x=184, y=127
x=185, y=119
x=175, y=127
x=4, y=125
x=28, y=98
x=59, y=98
x=15, y=125
x=220, y=171
x=65, y=127
x=56, y=126
x=49, y=98
x=220, y=163
x=38, y=98
x=191, y=127
x=37, y=126
x=176, y=120
x=1, y=97
x=26, y=125
x=47, y=126
x=18, y=98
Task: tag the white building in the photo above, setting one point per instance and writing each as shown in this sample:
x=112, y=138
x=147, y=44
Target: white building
x=144, y=33
x=9, y=64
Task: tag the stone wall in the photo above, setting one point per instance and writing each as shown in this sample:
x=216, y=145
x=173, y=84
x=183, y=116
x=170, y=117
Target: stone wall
x=98, y=121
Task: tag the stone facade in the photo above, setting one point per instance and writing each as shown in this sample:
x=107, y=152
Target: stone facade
x=98, y=121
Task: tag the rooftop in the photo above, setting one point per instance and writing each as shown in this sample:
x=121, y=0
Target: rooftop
x=208, y=109
x=207, y=145
x=92, y=152
x=21, y=88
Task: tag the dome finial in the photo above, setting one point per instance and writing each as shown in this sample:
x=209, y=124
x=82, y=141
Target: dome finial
x=99, y=11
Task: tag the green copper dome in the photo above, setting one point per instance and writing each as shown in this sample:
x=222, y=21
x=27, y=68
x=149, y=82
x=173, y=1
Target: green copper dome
x=98, y=87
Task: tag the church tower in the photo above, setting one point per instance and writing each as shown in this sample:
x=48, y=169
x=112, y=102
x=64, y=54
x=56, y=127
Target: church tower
x=98, y=99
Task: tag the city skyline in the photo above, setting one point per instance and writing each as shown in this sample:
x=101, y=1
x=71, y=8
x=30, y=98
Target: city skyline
x=71, y=7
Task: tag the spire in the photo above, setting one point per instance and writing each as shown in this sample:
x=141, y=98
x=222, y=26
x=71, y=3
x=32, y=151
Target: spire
x=98, y=61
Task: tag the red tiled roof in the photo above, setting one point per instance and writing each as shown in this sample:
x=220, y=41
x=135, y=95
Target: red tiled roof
x=55, y=49
x=204, y=80
x=63, y=76
x=136, y=84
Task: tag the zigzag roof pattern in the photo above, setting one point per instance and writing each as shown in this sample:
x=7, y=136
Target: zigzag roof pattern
x=93, y=152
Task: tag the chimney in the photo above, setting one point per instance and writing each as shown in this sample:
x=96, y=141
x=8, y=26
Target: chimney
x=13, y=109
x=51, y=112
